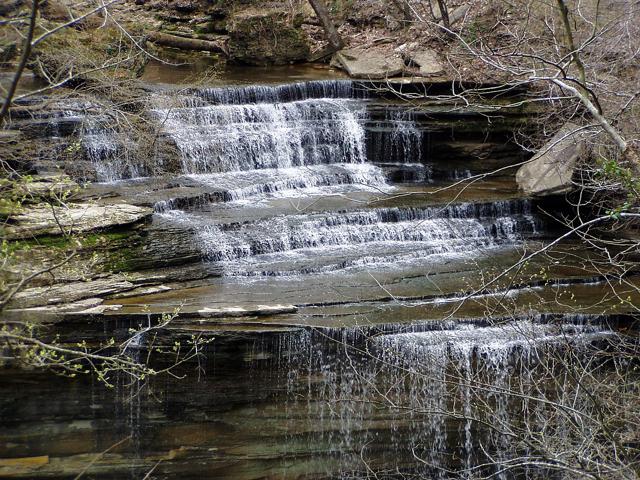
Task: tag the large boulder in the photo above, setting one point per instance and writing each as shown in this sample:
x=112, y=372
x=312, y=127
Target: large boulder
x=369, y=63
x=266, y=37
x=550, y=171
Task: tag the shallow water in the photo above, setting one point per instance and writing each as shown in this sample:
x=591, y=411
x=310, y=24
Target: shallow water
x=190, y=69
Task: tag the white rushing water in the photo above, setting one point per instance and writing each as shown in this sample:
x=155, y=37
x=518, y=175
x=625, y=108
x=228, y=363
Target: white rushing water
x=294, y=181
x=319, y=242
x=421, y=390
x=435, y=385
x=111, y=152
x=256, y=130
x=224, y=138
x=308, y=139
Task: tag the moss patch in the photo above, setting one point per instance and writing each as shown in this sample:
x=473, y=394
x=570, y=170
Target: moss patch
x=104, y=240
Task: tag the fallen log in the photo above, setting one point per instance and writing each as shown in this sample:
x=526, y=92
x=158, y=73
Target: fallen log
x=186, y=43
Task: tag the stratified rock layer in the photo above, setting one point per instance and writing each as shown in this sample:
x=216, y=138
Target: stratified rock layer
x=73, y=218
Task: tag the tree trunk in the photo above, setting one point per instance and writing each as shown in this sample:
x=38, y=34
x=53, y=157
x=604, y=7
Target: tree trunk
x=570, y=45
x=26, y=53
x=444, y=13
x=186, y=43
x=323, y=14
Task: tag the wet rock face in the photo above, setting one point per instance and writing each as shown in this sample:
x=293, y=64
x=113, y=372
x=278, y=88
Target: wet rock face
x=259, y=37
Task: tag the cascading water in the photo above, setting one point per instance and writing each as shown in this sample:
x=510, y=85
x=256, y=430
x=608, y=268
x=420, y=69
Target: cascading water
x=312, y=132
x=261, y=146
x=398, y=143
x=261, y=127
x=288, y=92
x=290, y=182
x=294, y=128
x=320, y=199
x=111, y=153
x=437, y=384
x=295, y=140
x=315, y=139
x=286, y=244
x=225, y=138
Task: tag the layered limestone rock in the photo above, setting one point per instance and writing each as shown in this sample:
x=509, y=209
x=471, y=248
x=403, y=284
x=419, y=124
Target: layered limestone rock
x=73, y=218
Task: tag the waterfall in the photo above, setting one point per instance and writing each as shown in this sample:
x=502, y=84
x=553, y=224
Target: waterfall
x=307, y=236
x=222, y=138
x=267, y=127
x=249, y=145
x=292, y=181
x=105, y=146
x=396, y=138
x=397, y=143
x=321, y=242
x=240, y=129
x=289, y=92
x=110, y=152
x=437, y=384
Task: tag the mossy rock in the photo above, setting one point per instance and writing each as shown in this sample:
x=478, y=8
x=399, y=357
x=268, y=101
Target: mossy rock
x=266, y=38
